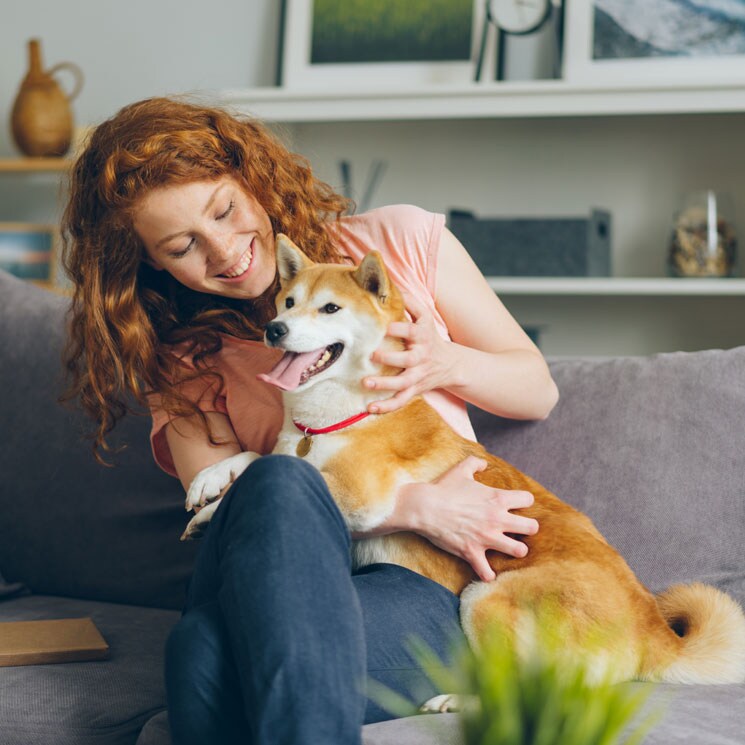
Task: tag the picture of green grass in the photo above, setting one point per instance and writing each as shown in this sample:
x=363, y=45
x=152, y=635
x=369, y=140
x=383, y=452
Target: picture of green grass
x=391, y=31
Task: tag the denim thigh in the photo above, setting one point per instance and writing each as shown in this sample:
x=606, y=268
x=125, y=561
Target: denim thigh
x=399, y=605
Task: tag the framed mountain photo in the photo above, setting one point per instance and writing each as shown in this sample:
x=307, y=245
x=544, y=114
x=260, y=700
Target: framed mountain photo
x=650, y=42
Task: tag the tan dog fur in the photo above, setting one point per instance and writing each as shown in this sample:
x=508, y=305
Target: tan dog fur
x=570, y=566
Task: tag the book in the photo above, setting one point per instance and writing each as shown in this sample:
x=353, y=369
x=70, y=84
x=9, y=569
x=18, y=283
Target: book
x=43, y=642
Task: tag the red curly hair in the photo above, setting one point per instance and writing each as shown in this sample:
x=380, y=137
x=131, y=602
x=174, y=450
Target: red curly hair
x=125, y=316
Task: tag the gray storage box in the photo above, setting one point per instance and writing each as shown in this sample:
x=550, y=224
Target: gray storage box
x=537, y=247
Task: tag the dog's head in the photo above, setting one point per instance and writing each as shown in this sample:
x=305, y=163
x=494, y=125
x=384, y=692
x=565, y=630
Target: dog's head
x=330, y=319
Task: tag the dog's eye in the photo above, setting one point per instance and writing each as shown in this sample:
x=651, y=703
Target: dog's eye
x=289, y=302
x=330, y=308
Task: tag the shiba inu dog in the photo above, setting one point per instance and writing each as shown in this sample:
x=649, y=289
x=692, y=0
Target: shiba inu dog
x=330, y=318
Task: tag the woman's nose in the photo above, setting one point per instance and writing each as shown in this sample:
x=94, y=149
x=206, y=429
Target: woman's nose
x=219, y=248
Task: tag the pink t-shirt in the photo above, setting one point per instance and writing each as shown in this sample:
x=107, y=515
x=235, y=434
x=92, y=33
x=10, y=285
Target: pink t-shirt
x=408, y=239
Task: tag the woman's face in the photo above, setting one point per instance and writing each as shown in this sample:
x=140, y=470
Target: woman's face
x=209, y=235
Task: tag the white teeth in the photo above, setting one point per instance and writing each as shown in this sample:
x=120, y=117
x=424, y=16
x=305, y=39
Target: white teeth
x=321, y=361
x=241, y=267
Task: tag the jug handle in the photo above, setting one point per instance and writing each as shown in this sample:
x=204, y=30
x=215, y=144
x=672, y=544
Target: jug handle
x=77, y=74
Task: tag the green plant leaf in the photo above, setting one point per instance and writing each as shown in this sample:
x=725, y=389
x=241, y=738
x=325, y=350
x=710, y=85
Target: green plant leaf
x=534, y=698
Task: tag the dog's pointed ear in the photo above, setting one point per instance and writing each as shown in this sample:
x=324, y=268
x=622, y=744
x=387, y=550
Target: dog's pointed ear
x=290, y=259
x=371, y=275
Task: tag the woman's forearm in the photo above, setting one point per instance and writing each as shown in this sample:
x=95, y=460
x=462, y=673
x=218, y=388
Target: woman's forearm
x=515, y=384
x=462, y=516
x=406, y=514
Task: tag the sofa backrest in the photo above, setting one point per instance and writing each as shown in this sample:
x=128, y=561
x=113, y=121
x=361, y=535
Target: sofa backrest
x=71, y=526
x=653, y=449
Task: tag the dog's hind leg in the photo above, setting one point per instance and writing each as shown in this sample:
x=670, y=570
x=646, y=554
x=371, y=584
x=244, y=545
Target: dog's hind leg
x=484, y=607
x=487, y=608
x=544, y=611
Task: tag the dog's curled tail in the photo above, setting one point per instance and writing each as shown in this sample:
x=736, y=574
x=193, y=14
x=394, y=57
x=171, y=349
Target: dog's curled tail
x=709, y=646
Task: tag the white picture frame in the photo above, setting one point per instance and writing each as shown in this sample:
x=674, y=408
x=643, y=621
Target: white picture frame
x=297, y=72
x=580, y=67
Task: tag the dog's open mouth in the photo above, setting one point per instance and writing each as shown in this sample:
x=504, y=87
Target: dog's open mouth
x=296, y=368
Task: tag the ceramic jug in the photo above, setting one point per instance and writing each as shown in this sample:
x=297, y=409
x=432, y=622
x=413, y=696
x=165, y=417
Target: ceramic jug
x=41, y=120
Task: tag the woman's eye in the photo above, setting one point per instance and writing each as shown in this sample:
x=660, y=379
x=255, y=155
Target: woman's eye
x=289, y=302
x=227, y=211
x=183, y=252
x=330, y=308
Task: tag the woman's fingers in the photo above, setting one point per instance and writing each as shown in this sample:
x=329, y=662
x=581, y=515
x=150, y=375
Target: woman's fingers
x=392, y=403
x=521, y=525
x=416, y=307
x=510, y=546
x=403, y=359
x=403, y=330
x=480, y=565
x=472, y=464
x=516, y=499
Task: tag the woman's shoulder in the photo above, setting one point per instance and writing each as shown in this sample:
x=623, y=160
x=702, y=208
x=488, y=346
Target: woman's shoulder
x=392, y=217
x=407, y=237
x=397, y=231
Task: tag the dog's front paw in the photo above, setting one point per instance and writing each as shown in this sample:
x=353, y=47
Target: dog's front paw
x=209, y=482
x=198, y=524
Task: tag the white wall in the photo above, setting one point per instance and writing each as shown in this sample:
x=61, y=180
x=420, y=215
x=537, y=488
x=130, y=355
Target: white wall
x=635, y=166
x=138, y=48
x=128, y=50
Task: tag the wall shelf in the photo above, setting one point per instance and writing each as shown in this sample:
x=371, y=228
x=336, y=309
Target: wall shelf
x=548, y=98
x=618, y=286
x=34, y=165
x=558, y=146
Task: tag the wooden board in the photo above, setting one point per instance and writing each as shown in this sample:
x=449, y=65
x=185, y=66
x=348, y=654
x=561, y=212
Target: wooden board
x=43, y=642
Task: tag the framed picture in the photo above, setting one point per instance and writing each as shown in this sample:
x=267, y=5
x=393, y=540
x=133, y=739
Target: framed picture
x=359, y=44
x=27, y=250
x=669, y=42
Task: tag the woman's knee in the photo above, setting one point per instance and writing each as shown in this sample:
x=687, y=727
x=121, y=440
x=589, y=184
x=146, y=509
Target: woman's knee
x=273, y=472
x=279, y=486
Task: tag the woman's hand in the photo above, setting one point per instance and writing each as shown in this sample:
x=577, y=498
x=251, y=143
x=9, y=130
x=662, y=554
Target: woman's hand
x=466, y=518
x=427, y=361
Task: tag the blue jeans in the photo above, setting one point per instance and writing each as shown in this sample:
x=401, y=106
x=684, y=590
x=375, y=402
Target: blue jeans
x=278, y=636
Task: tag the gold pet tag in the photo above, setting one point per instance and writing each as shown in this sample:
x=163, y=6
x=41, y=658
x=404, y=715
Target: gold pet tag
x=303, y=447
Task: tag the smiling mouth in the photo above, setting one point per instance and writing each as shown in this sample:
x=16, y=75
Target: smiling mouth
x=296, y=368
x=241, y=266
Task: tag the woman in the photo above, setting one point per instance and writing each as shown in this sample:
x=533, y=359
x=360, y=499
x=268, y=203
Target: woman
x=169, y=242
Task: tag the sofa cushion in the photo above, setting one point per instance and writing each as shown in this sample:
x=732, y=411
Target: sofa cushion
x=104, y=702
x=653, y=449
x=442, y=729
x=705, y=715
x=425, y=729
x=156, y=731
x=74, y=527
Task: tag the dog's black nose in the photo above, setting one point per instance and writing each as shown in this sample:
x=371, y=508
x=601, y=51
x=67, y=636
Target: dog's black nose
x=275, y=331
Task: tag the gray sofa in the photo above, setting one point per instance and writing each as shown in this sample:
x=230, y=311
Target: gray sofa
x=652, y=448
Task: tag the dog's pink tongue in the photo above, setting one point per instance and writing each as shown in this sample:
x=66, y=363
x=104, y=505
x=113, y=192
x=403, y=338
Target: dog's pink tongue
x=286, y=373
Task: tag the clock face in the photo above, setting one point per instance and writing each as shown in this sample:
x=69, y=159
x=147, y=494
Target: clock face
x=519, y=16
